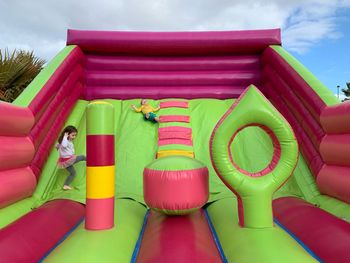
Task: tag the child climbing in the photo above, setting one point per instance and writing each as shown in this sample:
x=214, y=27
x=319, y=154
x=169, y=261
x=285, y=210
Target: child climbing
x=67, y=157
x=147, y=111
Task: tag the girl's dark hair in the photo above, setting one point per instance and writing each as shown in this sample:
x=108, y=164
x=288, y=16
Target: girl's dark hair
x=68, y=129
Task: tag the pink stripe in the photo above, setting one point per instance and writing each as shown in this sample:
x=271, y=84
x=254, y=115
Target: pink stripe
x=176, y=190
x=99, y=213
x=175, y=141
x=173, y=118
x=100, y=150
x=174, y=104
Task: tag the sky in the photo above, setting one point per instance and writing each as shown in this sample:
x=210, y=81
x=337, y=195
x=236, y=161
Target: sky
x=316, y=32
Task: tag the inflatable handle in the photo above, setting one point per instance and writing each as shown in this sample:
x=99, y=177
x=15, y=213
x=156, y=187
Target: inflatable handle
x=254, y=190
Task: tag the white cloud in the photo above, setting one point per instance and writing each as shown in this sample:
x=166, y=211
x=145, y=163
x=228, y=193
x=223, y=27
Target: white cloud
x=303, y=35
x=41, y=25
x=310, y=22
x=341, y=96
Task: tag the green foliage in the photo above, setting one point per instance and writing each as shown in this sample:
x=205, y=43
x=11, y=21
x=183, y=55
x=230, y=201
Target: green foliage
x=346, y=92
x=17, y=70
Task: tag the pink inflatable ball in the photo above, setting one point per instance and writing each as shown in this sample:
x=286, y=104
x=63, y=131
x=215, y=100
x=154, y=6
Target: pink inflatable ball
x=176, y=185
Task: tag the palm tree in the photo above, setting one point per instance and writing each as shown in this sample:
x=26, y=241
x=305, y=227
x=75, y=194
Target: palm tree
x=346, y=92
x=17, y=70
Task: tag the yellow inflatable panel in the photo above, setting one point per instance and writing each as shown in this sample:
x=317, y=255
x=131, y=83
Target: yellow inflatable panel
x=165, y=153
x=100, y=181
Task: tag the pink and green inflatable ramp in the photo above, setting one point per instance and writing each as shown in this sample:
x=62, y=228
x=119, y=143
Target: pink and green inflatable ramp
x=274, y=139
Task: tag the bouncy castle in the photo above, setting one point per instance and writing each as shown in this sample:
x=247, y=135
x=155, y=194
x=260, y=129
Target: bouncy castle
x=248, y=162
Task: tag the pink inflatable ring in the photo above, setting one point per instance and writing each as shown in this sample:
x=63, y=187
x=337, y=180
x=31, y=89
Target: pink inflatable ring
x=176, y=185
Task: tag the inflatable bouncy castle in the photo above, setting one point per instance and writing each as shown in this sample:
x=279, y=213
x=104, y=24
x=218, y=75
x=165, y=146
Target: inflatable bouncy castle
x=247, y=158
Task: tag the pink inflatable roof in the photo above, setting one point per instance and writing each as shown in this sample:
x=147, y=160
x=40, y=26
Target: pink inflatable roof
x=174, y=43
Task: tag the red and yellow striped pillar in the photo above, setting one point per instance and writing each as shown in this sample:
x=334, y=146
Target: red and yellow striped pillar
x=100, y=184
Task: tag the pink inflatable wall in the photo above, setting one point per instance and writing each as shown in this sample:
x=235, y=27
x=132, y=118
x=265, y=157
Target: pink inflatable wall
x=124, y=65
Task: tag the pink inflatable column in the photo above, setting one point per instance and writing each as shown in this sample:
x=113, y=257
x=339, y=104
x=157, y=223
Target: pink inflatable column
x=100, y=166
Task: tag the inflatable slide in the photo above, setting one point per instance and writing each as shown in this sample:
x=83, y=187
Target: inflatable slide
x=249, y=161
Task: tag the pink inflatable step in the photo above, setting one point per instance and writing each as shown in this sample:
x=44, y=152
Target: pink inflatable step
x=174, y=104
x=174, y=118
x=175, y=141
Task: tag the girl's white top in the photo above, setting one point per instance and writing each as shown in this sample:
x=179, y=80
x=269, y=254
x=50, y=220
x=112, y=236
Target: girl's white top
x=66, y=148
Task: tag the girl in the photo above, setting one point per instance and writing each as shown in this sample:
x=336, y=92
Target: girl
x=147, y=111
x=67, y=157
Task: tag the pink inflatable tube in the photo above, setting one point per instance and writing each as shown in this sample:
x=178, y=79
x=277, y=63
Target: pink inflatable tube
x=334, y=181
x=44, y=124
x=174, y=43
x=15, y=121
x=162, y=188
x=172, y=78
x=160, y=92
x=306, y=94
x=15, y=152
x=335, y=149
x=326, y=235
x=311, y=155
x=15, y=185
x=310, y=125
x=22, y=241
x=141, y=63
x=336, y=119
x=41, y=153
x=44, y=97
